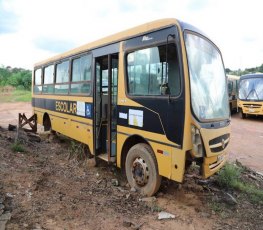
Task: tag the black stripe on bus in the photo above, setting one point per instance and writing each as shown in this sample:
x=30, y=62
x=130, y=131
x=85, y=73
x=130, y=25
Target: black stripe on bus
x=75, y=108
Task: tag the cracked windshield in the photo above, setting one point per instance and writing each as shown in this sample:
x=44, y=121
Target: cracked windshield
x=207, y=79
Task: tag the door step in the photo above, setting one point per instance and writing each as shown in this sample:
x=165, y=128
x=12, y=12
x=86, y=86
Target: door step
x=104, y=156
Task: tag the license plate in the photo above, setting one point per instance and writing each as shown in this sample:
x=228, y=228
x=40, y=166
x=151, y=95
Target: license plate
x=251, y=110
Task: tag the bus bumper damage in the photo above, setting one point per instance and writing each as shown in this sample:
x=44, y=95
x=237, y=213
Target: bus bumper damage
x=216, y=144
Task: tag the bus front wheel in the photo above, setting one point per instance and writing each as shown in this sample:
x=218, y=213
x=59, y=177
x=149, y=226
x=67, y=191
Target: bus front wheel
x=142, y=170
x=242, y=115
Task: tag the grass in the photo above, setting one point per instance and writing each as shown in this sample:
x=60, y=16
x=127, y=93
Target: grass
x=230, y=177
x=17, y=147
x=16, y=96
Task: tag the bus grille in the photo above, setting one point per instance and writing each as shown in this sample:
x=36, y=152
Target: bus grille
x=218, y=144
x=256, y=106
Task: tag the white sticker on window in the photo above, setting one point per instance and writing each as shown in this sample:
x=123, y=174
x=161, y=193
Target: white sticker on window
x=136, y=117
x=123, y=115
x=81, y=108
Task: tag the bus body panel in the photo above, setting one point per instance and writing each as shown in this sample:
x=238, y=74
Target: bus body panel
x=63, y=117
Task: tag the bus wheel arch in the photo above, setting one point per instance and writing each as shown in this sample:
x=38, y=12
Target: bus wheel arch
x=129, y=143
x=141, y=166
x=46, y=122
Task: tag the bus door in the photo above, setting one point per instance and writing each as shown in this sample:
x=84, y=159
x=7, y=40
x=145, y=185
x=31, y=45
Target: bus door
x=106, y=78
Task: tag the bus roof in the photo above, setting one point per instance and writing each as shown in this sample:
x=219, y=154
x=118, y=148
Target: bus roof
x=136, y=31
x=252, y=75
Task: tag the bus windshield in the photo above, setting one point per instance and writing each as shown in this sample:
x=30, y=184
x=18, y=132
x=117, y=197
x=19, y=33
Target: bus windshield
x=209, y=97
x=251, y=89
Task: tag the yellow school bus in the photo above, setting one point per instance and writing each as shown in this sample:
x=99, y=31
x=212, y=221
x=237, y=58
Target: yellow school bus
x=232, y=91
x=250, y=96
x=151, y=99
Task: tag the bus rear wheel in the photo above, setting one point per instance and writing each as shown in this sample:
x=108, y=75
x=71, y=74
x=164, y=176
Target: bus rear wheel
x=142, y=170
x=47, y=123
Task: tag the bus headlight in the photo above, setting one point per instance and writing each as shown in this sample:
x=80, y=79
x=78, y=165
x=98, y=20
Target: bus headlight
x=198, y=149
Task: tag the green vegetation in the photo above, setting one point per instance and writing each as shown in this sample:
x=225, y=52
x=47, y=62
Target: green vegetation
x=17, y=147
x=15, y=84
x=16, y=96
x=246, y=71
x=230, y=177
x=17, y=77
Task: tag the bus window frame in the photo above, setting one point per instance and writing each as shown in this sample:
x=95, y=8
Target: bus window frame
x=43, y=80
x=176, y=42
x=34, y=83
x=55, y=75
x=91, y=81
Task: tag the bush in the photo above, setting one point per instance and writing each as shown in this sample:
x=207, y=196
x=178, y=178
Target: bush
x=230, y=178
x=17, y=147
x=16, y=77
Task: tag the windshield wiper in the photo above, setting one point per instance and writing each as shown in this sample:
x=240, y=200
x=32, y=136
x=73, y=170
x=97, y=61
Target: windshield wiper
x=251, y=92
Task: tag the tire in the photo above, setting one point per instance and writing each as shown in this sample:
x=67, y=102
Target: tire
x=142, y=169
x=242, y=115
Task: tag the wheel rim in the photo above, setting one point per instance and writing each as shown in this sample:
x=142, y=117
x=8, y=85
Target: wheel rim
x=140, y=171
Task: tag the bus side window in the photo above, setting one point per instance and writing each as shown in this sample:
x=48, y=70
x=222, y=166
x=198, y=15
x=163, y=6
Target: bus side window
x=62, y=78
x=38, y=81
x=48, y=86
x=147, y=71
x=81, y=75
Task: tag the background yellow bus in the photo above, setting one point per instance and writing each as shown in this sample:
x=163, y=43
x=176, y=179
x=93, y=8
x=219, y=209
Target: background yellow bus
x=232, y=81
x=150, y=99
x=250, y=96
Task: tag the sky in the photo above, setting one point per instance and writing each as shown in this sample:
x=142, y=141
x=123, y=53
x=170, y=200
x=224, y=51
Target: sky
x=33, y=30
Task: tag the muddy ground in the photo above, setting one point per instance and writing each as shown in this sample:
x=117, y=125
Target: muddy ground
x=46, y=188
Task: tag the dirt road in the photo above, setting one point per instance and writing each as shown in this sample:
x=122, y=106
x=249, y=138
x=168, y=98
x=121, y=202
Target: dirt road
x=42, y=189
x=9, y=112
x=246, y=141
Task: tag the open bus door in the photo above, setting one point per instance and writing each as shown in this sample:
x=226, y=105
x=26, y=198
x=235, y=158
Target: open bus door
x=105, y=104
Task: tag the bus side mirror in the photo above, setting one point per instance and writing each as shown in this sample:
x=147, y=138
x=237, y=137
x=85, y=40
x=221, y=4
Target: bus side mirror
x=164, y=89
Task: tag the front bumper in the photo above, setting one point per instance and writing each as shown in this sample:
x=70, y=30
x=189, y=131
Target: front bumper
x=212, y=164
